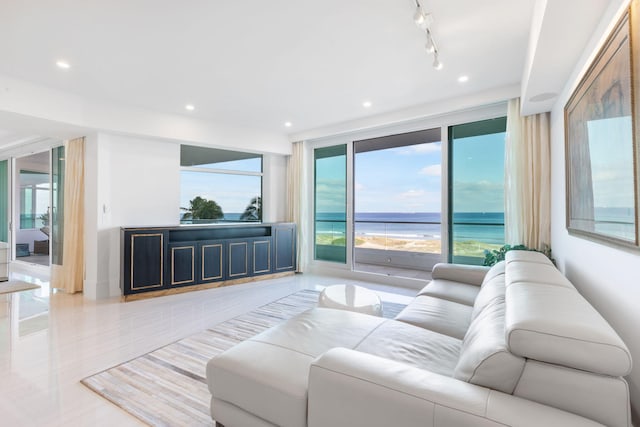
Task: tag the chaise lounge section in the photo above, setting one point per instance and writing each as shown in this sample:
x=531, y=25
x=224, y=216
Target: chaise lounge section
x=512, y=345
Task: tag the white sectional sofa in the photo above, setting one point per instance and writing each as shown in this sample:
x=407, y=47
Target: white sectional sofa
x=512, y=345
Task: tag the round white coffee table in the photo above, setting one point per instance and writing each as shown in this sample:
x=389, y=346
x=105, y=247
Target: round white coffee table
x=351, y=298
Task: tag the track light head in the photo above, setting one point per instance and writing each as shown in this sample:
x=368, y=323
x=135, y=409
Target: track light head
x=423, y=20
x=418, y=16
x=436, y=63
x=430, y=46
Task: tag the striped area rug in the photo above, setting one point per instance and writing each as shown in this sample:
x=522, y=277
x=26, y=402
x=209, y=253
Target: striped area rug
x=167, y=387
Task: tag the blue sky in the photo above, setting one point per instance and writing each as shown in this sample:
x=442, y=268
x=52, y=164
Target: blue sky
x=478, y=168
x=232, y=192
x=408, y=179
x=405, y=179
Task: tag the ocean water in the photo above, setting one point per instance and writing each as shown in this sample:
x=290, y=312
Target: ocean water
x=477, y=226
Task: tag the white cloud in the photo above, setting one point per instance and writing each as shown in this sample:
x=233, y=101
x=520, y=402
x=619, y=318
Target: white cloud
x=432, y=147
x=412, y=194
x=431, y=170
x=358, y=186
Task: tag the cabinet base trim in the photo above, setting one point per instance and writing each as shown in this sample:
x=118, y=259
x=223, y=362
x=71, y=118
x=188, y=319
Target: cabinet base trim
x=183, y=289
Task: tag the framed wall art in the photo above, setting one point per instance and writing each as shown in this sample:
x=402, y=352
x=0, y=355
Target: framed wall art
x=601, y=141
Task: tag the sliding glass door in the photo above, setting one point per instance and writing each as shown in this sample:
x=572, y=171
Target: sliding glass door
x=397, y=197
x=476, y=189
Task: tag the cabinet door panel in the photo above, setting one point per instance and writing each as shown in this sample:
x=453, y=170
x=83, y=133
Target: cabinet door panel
x=212, y=259
x=261, y=256
x=147, y=261
x=285, y=250
x=183, y=264
x=238, y=253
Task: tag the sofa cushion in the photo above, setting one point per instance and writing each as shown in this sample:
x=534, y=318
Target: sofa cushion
x=471, y=274
x=413, y=346
x=438, y=315
x=492, y=290
x=519, y=271
x=527, y=256
x=599, y=397
x=556, y=324
x=496, y=270
x=268, y=381
x=484, y=357
x=462, y=293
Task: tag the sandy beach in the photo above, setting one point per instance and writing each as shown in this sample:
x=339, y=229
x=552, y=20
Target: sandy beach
x=465, y=248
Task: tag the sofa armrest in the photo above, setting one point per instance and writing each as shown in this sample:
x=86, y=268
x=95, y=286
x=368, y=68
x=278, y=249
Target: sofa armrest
x=471, y=274
x=349, y=388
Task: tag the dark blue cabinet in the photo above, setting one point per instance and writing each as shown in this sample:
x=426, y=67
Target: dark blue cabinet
x=173, y=258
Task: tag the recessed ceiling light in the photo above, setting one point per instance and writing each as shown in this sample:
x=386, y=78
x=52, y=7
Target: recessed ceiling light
x=288, y=124
x=463, y=79
x=367, y=104
x=189, y=107
x=63, y=64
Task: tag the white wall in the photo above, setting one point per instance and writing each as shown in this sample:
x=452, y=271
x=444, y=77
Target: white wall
x=129, y=182
x=606, y=276
x=274, y=188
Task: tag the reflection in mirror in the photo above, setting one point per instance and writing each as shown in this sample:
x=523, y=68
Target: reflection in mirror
x=612, y=176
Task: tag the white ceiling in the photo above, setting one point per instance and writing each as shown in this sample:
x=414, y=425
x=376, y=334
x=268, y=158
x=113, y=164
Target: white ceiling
x=259, y=64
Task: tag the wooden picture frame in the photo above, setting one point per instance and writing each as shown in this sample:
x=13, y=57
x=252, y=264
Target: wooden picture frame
x=601, y=141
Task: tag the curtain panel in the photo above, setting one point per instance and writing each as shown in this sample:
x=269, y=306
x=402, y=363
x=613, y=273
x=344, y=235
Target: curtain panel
x=298, y=201
x=527, y=179
x=69, y=276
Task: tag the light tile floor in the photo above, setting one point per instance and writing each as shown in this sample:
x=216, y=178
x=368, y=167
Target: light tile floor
x=43, y=360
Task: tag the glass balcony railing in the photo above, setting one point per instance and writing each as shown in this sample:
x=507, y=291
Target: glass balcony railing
x=331, y=232
x=423, y=237
x=471, y=240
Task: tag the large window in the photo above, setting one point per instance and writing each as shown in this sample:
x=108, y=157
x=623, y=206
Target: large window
x=219, y=186
x=476, y=182
x=396, y=187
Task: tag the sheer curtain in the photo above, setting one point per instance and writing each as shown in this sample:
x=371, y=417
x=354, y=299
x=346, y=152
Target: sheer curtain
x=298, y=200
x=70, y=275
x=527, y=179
